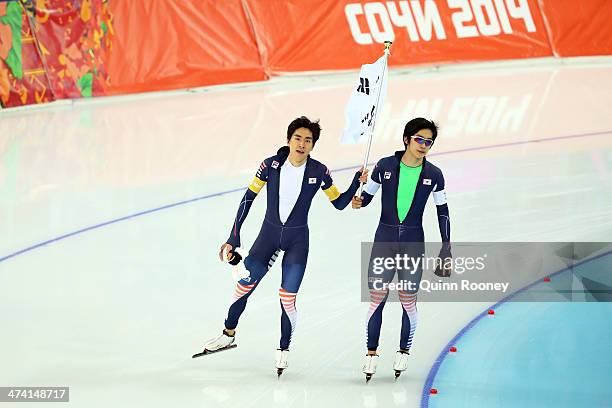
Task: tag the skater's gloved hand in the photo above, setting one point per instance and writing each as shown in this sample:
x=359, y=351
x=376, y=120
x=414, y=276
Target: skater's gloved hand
x=225, y=250
x=229, y=254
x=444, y=265
x=234, y=258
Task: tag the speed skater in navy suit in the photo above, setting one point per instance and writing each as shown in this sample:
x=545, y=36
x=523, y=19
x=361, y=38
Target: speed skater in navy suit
x=292, y=178
x=406, y=179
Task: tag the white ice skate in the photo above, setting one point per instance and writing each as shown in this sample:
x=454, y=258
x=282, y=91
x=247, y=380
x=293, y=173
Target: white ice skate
x=401, y=362
x=220, y=343
x=282, y=361
x=369, y=367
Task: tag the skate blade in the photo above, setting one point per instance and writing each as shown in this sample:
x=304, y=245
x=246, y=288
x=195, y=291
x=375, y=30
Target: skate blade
x=207, y=352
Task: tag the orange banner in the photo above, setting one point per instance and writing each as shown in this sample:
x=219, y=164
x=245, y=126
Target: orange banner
x=579, y=28
x=172, y=44
x=82, y=48
x=327, y=35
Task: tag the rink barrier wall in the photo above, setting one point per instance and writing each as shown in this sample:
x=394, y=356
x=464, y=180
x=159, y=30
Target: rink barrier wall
x=73, y=49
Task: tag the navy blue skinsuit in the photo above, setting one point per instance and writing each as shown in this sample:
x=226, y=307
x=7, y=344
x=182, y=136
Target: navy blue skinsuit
x=391, y=233
x=275, y=236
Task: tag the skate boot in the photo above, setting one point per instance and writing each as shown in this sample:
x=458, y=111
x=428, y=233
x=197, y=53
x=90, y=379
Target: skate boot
x=369, y=366
x=220, y=343
x=401, y=362
x=282, y=361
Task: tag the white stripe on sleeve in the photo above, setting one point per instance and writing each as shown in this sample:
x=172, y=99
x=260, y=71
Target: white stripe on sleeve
x=371, y=186
x=439, y=197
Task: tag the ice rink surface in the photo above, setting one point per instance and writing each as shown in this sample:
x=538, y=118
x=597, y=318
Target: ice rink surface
x=112, y=212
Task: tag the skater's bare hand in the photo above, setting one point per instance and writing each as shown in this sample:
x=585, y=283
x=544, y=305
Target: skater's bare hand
x=225, y=248
x=356, y=202
x=364, y=176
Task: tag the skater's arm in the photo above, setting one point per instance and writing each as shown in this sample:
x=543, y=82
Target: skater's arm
x=444, y=267
x=369, y=190
x=243, y=211
x=255, y=187
x=341, y=200
x=443, y=222
x=439, y=196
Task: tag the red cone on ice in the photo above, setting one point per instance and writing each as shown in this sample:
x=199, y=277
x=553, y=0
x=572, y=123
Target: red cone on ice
x=453, y=349
x=491, y=311
x=433, y=391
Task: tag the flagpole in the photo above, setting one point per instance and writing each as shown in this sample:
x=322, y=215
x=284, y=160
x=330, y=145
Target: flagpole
x=371, y=129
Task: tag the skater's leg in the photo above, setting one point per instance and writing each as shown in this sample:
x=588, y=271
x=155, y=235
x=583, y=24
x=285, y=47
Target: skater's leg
x=288, y=310
x=294, y=267
x=409, y=319
x=378, y=298
x=408, y=298
x=261, y=257
x=244, y=289
x=378, y=291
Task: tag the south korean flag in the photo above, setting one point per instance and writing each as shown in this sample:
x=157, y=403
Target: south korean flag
x=366, y=100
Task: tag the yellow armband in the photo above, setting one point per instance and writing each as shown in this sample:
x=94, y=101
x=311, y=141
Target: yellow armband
x=332, y=192
x=256, y=185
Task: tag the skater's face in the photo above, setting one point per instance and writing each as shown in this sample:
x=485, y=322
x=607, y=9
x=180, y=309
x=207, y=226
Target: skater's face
x=420, y=143
x=300, y=144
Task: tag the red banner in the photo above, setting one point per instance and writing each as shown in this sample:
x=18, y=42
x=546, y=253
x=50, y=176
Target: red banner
x=172, y=44
x=326, y=35
x=579, y=28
